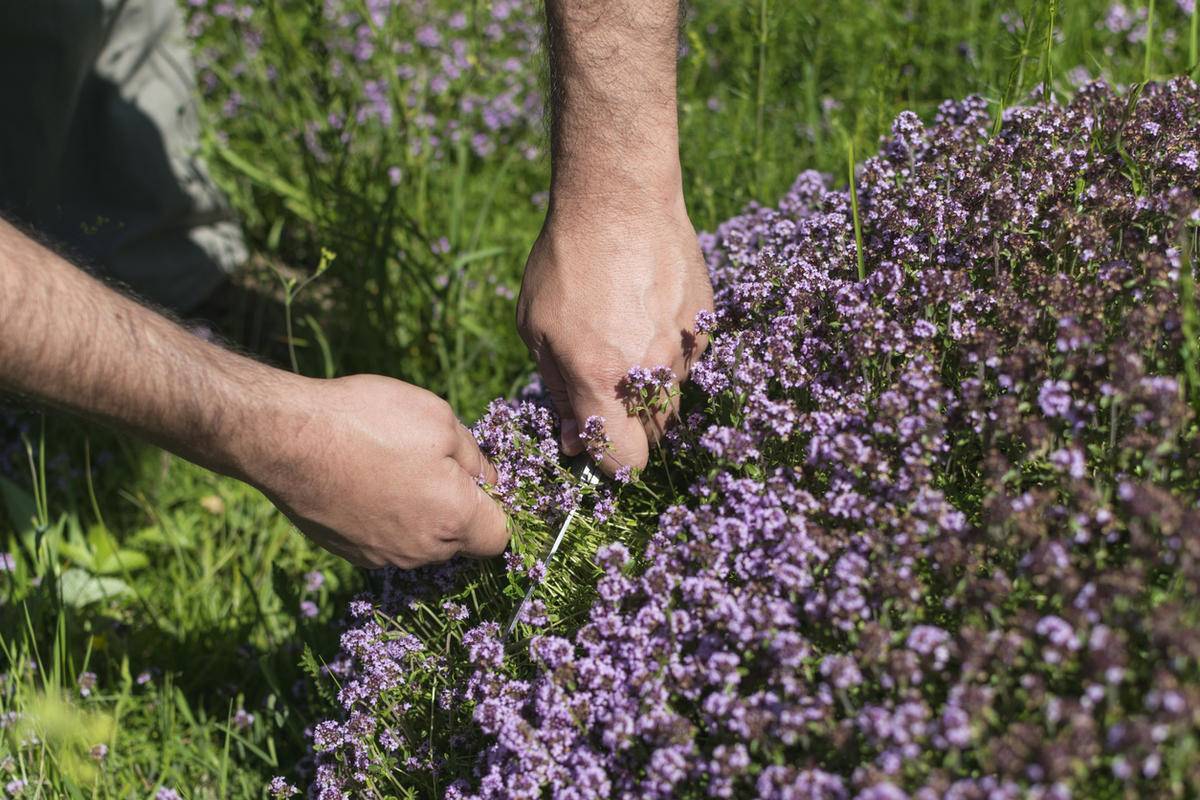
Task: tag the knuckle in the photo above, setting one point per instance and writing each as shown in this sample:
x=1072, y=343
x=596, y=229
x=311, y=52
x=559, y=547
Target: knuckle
x=451, y=427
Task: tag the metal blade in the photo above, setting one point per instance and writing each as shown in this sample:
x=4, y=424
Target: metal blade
x=584, y=473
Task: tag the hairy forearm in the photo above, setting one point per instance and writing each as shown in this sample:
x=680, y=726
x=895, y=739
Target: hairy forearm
x=614, y=129
x=68, y=341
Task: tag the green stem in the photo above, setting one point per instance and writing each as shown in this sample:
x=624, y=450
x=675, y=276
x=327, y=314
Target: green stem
x=1149, y=42
x=1194, y=47
x=761, y=98
x=287, y=323
x=1190, y=316
x=1016, y=75
x=1051, y=13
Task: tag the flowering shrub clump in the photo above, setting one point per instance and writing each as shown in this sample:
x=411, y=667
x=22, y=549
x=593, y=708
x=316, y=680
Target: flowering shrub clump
x=931, y=532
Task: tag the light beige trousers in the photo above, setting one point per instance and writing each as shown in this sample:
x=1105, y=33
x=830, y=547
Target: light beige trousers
x=99, y=140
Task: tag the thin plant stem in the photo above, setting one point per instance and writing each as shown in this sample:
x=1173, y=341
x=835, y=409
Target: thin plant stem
x=1146, y=65
x=760, y=101
x=1047, y=69
x=1194, y=45
x=1190, y=317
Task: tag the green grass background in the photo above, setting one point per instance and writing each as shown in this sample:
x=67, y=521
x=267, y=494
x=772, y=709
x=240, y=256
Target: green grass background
x=148, y=564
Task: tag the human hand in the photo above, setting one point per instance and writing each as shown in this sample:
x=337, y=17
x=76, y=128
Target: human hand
x=381, y=473
x=373, y=469
x=608, y=287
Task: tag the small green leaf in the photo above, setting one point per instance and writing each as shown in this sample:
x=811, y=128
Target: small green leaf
x=120, y=561
x=327, y=258
x=22, y=511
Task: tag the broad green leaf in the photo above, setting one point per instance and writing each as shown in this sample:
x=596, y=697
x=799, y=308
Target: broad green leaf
x=78, y=554
x=80, y=588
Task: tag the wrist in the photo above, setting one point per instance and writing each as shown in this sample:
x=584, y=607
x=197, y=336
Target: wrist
x=648, y=172
x=256, y=435
x=633, y=195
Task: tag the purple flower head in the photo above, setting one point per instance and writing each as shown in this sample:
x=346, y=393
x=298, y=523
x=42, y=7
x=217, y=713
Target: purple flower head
x=594, y=437
x=280, y=788
x=613, y=557
x=455, y=611
x=533, y=613
x=313, y=581
x=428, y=36
x=1055, y=398
x=514, y=562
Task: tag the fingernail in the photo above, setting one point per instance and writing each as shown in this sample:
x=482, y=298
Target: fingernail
x=570, y=437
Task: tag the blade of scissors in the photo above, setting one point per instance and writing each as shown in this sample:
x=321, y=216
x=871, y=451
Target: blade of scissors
x=584, y=474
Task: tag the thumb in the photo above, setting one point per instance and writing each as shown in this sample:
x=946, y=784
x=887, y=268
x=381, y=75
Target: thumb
x=556, y=387
x=486, y=530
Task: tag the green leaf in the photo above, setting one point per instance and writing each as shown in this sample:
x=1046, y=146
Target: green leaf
x=149, y=535
x=285, y=587
x=108, y=557
x=296, y=199
x=78, y=554
x=22, y=511
x=120, y=561
x=309, y=663
x=79, y=588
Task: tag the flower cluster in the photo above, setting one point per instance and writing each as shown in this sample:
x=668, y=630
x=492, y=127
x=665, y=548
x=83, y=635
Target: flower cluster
x=940, y=536
x=441, y=74
x=521, y=440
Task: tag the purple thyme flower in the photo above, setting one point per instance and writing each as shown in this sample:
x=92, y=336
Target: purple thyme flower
x=594, y=437
x=280, y=788
x=1055, y=398
x=313, y=581
x=455, y=611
